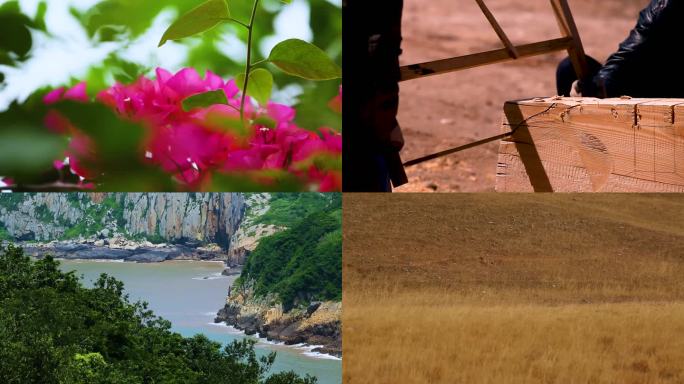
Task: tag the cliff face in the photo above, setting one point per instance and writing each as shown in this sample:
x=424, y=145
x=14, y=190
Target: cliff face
x=248, y=235
x=320, y=324
x=168, y=217
x=209, y=218
x=290, y=286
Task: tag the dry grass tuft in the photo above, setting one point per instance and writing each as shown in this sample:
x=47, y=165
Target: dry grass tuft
x=513, y=289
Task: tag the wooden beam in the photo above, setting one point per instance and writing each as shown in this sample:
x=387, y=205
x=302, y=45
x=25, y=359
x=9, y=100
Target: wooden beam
x=416, y=71
x=560, y=19
x=569, y=28
x=499, y=31
x=593, y=145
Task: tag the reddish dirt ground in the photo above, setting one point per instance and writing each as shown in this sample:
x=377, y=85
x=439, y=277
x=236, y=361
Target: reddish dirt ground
x=449, y=110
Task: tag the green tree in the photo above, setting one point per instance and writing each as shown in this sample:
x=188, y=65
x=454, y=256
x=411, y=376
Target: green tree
x=54, y=330
x=304, y=262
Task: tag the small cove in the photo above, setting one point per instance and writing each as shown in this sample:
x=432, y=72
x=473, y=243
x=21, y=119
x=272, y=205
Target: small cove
x=189, y=293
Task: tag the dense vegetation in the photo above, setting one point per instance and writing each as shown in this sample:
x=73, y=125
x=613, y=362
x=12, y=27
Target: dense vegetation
x=4, y=235
x=304, y=262
x=286, y=209
x=53, y=330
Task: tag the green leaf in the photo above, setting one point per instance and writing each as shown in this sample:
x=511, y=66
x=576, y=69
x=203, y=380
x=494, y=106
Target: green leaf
x=203, y=100
x=222, y=122
x=265, y=181
x=26, y=151
x=299, y=58
x=124, y=71
x=116, y=141
x=39, y=20
x=260, y=84
x=10, y=7
x=202, y=18
x=5, y=58
x=14, y=34
x=130, y=17
x=265, y=121
x=117, y=145
x=313, y=110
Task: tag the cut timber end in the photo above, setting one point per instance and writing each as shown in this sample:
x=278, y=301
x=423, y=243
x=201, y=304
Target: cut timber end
x=592, y=145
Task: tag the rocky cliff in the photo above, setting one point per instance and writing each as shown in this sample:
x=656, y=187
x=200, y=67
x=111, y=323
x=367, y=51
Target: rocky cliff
x=201, y=218
x=250, y=232
x=319, y=324
x=291, y=283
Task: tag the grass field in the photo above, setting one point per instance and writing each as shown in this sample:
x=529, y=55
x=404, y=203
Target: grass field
x=513, y=288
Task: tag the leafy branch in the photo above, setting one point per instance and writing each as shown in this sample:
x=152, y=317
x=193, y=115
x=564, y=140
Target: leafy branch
x=248, y=67
x=292, y=56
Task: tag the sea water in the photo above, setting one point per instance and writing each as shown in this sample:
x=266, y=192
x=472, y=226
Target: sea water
x=189, y=293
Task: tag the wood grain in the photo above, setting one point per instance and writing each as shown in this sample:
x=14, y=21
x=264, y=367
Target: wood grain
x=593, y=145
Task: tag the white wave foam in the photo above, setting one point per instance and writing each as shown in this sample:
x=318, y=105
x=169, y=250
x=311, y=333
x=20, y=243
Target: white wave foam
x=308, y=350
x=325, y=356
x=304, y=349
x=230, y=328
x=264, y=340
x=213, y=276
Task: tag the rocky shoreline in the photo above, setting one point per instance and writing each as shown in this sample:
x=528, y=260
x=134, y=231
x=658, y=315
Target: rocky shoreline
x=127, y=250
x=318, y=325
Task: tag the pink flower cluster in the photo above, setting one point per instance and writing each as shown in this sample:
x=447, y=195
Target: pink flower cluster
x=192, y=145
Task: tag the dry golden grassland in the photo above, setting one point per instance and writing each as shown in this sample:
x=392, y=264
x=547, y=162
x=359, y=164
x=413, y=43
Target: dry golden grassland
x=515, y=288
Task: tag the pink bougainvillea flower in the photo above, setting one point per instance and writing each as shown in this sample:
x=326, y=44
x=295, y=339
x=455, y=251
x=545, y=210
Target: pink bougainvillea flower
x=231, y=89
x=81, y=153
x=57, y=123
x=77, y=93
x=282, y=114
x=190, y=145
x=247, y=159
x=328, y=181
x=58, y=164
x=86, y=185
x=161, y=100
x=331, y=142
x=54, y=96
x=6, y=181
x=185, y=146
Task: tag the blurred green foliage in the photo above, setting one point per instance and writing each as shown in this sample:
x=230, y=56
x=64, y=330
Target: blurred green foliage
x=15, y=35
x=113, y=20
x=286, y=209
x=27, y=148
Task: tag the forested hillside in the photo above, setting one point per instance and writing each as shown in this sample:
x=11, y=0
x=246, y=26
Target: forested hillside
x=304, y=262
x=54, y=330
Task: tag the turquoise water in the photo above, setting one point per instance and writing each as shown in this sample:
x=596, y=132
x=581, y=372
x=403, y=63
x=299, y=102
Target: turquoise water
x=189, y=293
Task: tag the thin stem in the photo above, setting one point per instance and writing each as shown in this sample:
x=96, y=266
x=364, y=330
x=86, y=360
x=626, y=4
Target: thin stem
x=234, y=107
x=55, y=186
x=250, y=28
x=236, y=21
x=259, y=62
